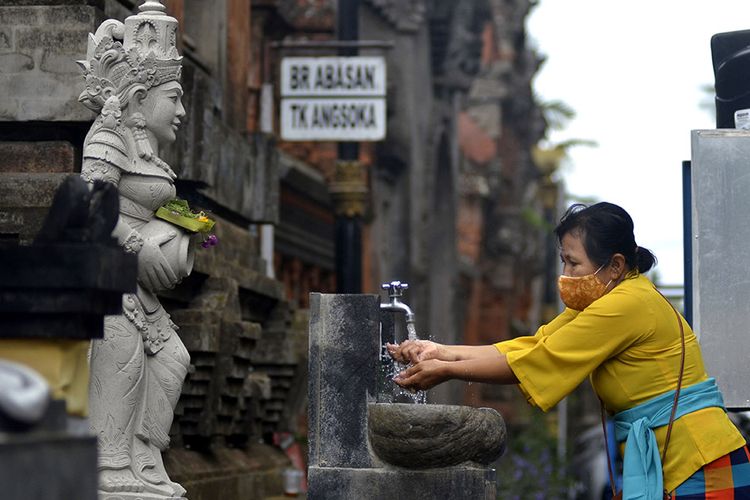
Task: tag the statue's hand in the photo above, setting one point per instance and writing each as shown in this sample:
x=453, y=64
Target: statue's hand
x=154, y=272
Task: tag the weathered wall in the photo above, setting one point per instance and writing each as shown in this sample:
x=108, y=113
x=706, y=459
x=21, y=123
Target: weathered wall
x=41, y=82
x=501, y=211
x=248, y=352
x=38, y=48
x=412, y=236
x=454, y=189
x=454, y=193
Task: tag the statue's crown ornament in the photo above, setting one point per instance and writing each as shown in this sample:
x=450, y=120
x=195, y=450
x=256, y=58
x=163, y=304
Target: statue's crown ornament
x=142, y=51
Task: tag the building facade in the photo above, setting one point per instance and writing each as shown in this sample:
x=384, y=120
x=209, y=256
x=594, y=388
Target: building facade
x=456, y=205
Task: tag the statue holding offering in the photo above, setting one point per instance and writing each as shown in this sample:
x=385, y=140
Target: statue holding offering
x=132, y=75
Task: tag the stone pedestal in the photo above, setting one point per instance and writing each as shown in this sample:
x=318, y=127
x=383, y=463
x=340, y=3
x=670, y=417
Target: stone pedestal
x=345, y=342
x=44, y=462
x=344, y=356
x=400, y=484
x=48, y=466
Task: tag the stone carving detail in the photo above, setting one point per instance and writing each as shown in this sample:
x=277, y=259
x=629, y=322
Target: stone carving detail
x=405, y=15
x=463, y=52
x=132, y=74
x=314, y=15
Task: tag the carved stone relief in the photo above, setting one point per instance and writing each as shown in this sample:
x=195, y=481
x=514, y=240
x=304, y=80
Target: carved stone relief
x=132, y=74
x=315, y=15
x=405, y=15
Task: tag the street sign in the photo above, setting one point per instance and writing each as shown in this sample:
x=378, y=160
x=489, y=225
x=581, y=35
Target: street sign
x=333, y=76
x=333, y=98
x=361, y=119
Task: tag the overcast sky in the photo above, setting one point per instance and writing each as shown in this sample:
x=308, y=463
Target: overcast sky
x=633, y=72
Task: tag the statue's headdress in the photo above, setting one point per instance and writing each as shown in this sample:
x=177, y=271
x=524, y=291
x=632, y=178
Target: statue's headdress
x=143, y=51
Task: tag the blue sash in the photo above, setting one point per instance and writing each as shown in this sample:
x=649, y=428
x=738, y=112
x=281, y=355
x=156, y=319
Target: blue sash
x=642, y=468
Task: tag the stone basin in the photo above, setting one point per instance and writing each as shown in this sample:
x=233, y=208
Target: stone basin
x=416, y=436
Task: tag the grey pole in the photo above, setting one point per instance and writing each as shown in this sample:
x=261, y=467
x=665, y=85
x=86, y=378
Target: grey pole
x=349, y=188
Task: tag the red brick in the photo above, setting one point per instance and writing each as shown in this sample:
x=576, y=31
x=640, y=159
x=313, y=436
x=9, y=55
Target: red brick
x=238, y=52
x=489, y=51
x=469, y=229
x=474, y=142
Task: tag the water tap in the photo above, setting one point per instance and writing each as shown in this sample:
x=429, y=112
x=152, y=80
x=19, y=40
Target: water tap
x=395, y=292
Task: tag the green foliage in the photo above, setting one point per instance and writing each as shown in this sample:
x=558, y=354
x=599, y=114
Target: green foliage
x=181, y=207
x=557, y=113
x=566, y=145
x=530, y=468
x=179, y=213
x=548, y=155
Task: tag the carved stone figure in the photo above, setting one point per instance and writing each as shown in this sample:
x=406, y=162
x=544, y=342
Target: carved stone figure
x=404, y=15
x=132, y=75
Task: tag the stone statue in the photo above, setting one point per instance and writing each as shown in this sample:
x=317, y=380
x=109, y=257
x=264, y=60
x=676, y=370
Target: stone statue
x=132, y=75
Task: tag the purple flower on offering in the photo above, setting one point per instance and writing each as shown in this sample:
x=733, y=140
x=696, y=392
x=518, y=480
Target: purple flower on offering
x=211, y=241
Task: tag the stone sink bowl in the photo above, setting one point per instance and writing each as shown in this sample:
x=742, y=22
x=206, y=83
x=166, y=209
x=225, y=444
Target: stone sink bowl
x=418, y=436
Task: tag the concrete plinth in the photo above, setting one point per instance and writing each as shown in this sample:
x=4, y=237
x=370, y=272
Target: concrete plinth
x=344, y=357
x=51, y=466
x=456, y=483
x=133, y=496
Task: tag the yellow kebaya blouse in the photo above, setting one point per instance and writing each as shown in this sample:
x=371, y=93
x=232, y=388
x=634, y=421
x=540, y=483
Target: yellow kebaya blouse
x=628, y=343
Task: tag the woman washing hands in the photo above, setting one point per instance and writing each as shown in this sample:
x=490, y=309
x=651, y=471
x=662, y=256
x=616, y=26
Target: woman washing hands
x=433, y=363
x=639, y=353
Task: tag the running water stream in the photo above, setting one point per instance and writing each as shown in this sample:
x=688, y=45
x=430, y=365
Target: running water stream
x=390, y=391
x=411, y=331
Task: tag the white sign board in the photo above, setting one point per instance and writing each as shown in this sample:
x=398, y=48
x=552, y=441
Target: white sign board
x=360, y=119
x=333, y=77
x=333, y=98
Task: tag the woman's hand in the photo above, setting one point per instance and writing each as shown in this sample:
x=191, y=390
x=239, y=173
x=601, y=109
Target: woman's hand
x=414, y=351
x=424, y=375
x=492, y=368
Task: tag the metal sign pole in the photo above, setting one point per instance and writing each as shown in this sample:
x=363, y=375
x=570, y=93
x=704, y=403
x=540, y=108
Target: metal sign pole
x=338, y=98
x=687, y=241
x=349, y=189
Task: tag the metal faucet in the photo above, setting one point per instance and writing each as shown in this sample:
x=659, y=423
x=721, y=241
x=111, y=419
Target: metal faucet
x=395, y=292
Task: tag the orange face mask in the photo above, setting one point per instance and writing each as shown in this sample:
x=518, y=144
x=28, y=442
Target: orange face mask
x=578, y=292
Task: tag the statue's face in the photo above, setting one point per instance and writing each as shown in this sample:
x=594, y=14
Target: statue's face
x=163, y=109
